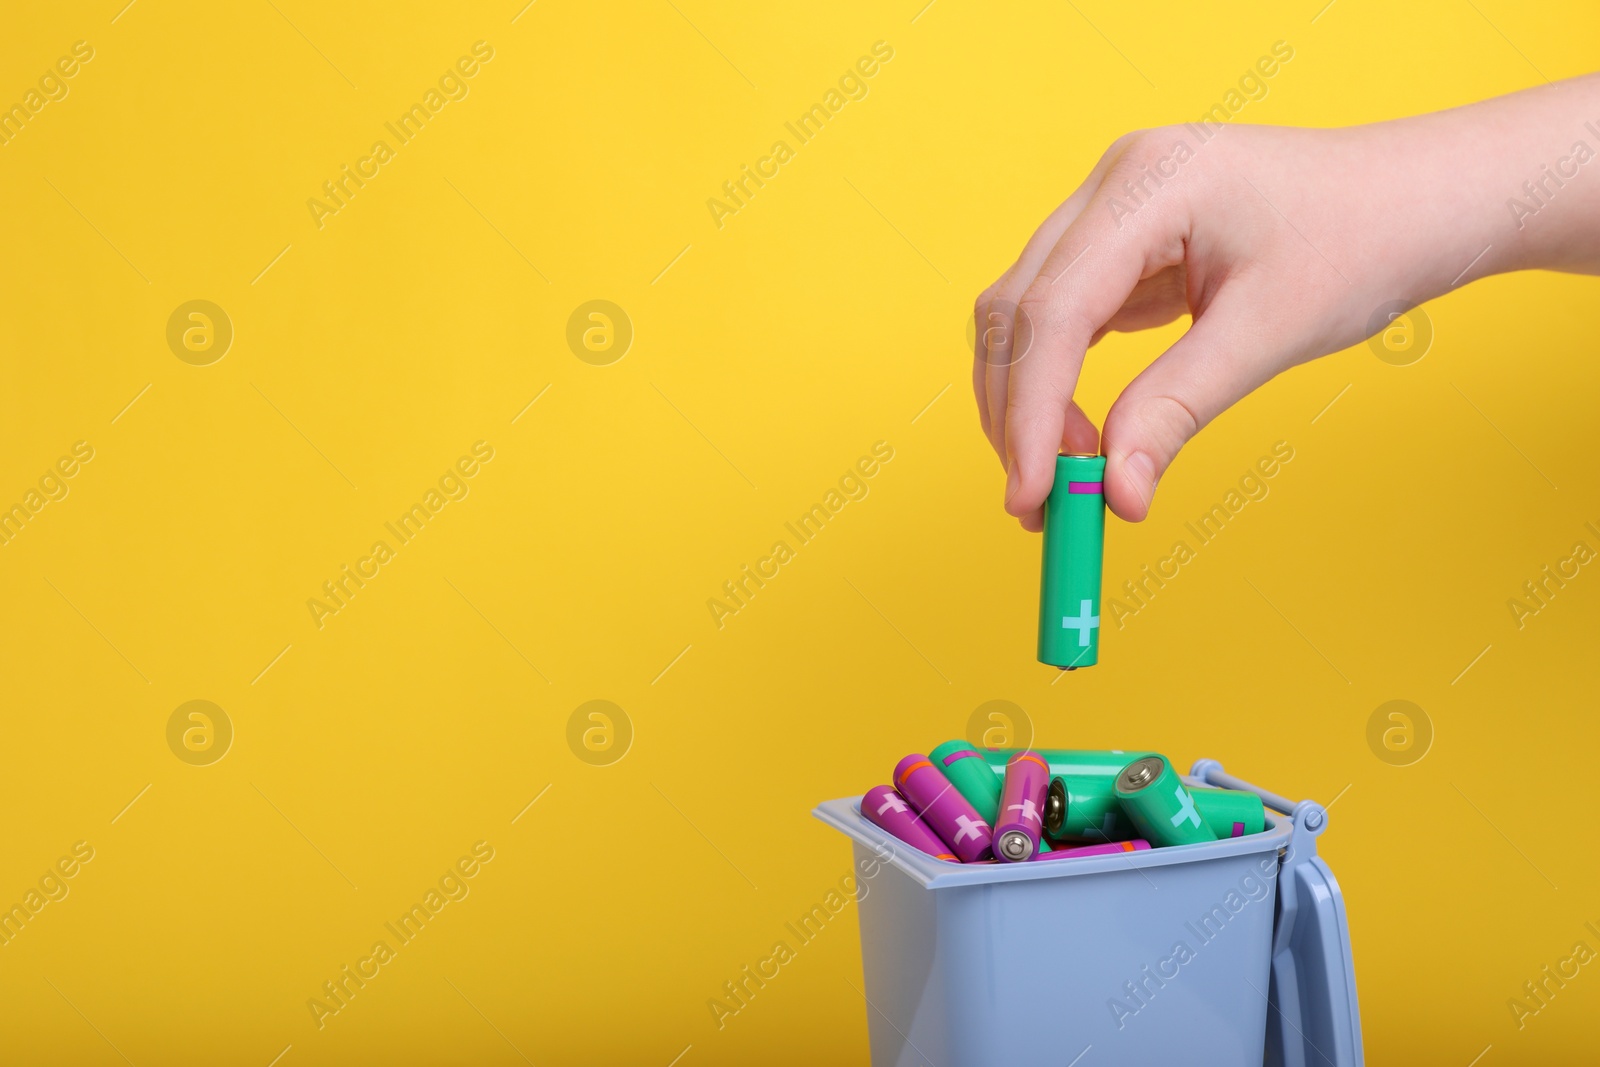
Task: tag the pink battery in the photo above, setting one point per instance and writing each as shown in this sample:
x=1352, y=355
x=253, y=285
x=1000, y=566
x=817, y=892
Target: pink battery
x=1063, y=852
x=945, y=810
x=1021, y=818
x=888, y=811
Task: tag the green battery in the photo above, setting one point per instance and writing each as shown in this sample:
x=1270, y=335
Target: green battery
x=1069, y=580
x=1069, y=762
x=1086, y=809
x=1229, y=812
x=1159, y=805
x=967, y=771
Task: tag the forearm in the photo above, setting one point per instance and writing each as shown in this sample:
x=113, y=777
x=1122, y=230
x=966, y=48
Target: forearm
x=1507, y=184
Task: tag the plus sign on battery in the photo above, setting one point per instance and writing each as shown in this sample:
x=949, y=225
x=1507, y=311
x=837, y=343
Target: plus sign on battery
x=1029, y=811
x=967, y=828
x=1185, y=812
x=1084, y=622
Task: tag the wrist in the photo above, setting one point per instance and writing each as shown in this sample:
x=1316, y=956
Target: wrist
x=1517, y=181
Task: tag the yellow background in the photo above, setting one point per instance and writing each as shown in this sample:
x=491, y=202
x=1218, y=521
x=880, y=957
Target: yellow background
x=823, y=317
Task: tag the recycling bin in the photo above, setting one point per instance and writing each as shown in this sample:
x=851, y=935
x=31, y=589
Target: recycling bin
x=1222, y=953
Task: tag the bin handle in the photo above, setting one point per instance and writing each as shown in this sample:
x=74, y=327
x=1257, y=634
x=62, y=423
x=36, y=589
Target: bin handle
x=1315, y=815
x=1309, y=820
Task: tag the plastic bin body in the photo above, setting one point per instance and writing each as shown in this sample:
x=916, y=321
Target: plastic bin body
x=1154, y=957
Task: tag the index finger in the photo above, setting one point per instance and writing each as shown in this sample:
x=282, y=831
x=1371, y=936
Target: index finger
x=1086, y=278
x=997, y=305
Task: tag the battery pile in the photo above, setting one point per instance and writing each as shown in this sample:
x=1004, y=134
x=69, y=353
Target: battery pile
x=965, y=805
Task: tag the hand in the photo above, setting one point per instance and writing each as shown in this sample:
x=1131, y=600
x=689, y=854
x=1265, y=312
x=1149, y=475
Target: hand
x=1281, y=243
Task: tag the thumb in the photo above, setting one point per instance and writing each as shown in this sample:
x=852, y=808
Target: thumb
x=1219, y=361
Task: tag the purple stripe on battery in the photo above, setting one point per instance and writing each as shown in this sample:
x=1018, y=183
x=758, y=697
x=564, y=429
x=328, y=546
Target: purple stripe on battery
x=1238, y=830
x=1084, y=487
x=958, y=754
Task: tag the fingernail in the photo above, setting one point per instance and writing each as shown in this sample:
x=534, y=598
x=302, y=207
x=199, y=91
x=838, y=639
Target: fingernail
x=1143, y=468
x=1012, y=480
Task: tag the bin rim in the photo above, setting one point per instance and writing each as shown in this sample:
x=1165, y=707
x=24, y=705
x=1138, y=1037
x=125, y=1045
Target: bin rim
x=845, y=816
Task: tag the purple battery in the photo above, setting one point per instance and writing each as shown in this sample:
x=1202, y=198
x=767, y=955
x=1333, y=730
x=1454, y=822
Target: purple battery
x=888, y=810
x=946, y=811
x=1021, y=819
x=1063, y=852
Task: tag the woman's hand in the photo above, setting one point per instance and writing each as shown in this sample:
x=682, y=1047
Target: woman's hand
x=1282, y=244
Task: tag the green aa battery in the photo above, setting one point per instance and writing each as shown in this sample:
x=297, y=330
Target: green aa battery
x=1160, y=806
x=1068, y=762
x=1069, y=581
x=967, y=771
x=1229, y=812
x=1086, y=809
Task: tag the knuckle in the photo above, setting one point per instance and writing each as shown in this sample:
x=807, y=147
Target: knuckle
x=1176, y=415
x=1123, y=143
x=1164, y=420
x=1047, y=314
x=1034, y=305
x=1152, y=185
x=999, y=299
x=1126, y=171
x=1037, y=415
x=1155, y=150
x=980, y=305
x=1146, y=146
x=1002, y=329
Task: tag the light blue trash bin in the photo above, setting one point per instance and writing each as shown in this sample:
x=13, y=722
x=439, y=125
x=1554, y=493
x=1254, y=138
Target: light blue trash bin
x=1227, y=953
